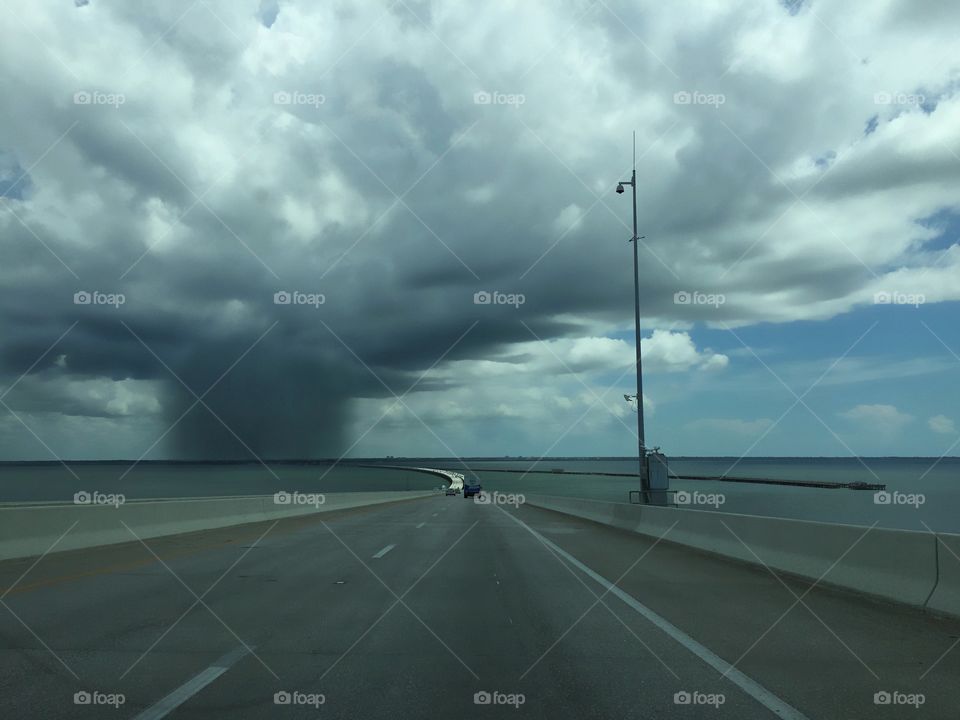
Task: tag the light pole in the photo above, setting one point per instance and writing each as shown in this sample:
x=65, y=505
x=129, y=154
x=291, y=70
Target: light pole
x=641, y=445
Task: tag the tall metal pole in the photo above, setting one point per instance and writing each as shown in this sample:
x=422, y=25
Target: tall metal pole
x=641, y=443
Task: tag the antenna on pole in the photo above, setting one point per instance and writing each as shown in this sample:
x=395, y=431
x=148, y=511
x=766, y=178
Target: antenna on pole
x=634, y=150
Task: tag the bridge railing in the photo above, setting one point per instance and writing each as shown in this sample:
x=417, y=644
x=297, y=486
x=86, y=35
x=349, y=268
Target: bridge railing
x=919, y=569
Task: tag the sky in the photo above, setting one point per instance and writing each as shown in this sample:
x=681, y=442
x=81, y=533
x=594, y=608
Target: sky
x=289, y=229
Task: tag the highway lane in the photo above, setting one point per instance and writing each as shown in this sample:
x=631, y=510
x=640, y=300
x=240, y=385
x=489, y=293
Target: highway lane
x=410, y=609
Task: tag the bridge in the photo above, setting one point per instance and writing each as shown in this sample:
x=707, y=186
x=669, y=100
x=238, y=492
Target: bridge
x=414, y=605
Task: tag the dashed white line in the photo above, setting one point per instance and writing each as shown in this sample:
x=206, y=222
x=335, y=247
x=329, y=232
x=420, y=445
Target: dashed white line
x=383, y=552
x=194, y=685
x=420, y=525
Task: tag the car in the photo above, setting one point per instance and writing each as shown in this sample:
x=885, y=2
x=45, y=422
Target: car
x=451, y=491
x=471, y=489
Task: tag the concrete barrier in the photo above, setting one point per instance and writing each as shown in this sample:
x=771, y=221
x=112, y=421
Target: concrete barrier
x=945, y=599
x=895, y=565
x=454, y=478
x=31, y=529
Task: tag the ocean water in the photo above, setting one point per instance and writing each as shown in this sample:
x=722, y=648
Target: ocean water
x=924, y=492
x=54, y=482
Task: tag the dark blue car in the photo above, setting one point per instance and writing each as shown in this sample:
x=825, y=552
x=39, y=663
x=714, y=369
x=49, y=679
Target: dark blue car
x=471, y=489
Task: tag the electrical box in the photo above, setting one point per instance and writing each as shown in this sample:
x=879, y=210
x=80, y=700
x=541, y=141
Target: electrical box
x=655, y=472
x=659, y=477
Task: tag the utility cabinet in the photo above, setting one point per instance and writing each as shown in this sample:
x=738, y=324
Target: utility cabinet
x=659, y=477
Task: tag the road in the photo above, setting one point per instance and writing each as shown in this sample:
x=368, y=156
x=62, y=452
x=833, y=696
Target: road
x=408, y=610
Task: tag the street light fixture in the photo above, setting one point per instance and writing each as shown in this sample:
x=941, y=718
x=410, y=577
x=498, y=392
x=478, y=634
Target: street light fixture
x=641, y=445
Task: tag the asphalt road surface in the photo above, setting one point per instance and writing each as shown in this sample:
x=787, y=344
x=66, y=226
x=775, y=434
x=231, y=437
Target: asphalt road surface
x=444, y=608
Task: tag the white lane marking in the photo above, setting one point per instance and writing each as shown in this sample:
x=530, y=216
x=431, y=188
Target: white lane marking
x=750, y=686
x=194, y=685
x=383, y=552
x=420, y=525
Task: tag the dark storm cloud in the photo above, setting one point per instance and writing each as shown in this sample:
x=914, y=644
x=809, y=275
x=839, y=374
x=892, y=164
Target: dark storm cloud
x=14, y=180
x=276, y=403
x=408, y=91
x=301, y=197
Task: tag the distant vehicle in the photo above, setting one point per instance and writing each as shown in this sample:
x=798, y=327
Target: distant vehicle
x=471, y=489
x=451, y=491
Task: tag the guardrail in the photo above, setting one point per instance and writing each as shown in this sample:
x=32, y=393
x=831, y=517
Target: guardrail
x=945, y=597
x=918, y=569
x=34, y=529
x=454, y=478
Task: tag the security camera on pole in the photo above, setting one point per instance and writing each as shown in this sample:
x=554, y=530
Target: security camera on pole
x=657, y=492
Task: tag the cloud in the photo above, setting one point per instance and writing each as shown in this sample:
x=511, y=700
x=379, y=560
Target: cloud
x=663, y=351
x=675, y=351
x=200, y=159
x=93, y=397
x=569, y=219
x=942, y=424
x=881, y=418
